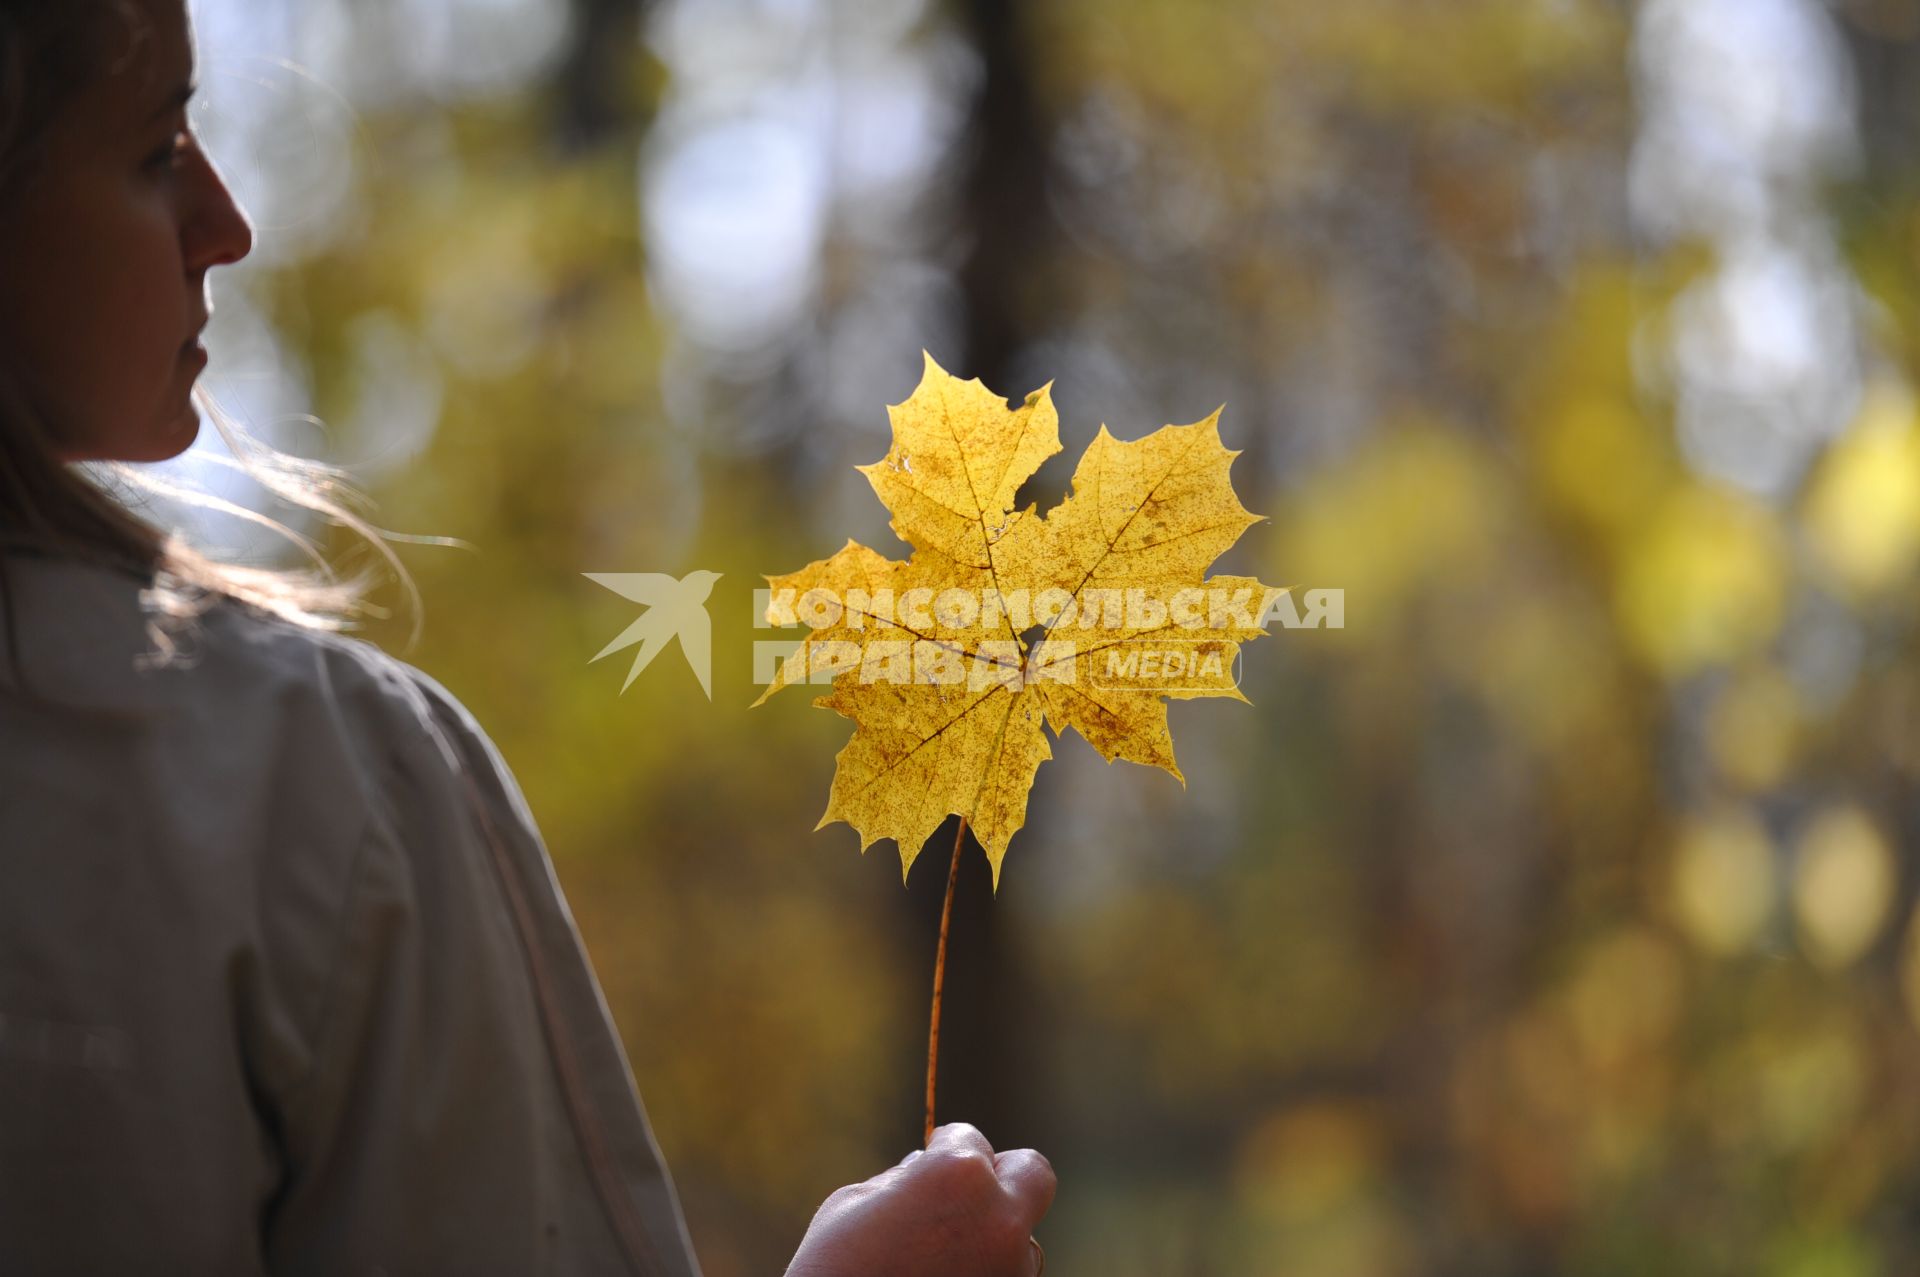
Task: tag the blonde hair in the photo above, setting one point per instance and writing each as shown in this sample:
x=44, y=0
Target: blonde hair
x=52, y=506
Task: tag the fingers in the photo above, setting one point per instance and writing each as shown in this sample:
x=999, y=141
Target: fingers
x=1025, y=1175
x=962, y=1197
x=960, y=1137
x=1029, y=1180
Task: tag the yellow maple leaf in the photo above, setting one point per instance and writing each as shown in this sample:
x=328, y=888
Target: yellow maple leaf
x=1002, y=623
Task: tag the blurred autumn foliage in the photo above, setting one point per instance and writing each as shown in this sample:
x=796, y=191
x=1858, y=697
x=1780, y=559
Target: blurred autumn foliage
x=1556, y=915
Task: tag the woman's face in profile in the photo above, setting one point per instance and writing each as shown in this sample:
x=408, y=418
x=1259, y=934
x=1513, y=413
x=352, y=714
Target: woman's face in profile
x=106, y=252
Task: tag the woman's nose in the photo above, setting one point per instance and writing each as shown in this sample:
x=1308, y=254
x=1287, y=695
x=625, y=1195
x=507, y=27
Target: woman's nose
x=218, y=232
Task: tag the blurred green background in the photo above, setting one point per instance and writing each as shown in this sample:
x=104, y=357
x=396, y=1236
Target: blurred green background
x=1554, y=916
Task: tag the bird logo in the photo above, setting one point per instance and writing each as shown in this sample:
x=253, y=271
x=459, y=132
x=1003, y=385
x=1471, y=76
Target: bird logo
x=674, y=609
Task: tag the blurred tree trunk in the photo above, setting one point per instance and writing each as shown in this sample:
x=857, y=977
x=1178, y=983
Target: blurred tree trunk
x=1883, y=43
x=1007, y=227
x=1883, y=40
x=595, y=109
x=987, y=1072
x=595, y=85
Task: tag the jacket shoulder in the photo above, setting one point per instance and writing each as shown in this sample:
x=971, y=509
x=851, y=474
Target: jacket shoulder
x=271, y=663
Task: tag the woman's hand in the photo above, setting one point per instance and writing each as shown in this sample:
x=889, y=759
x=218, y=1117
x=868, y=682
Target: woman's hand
x=957, y=1209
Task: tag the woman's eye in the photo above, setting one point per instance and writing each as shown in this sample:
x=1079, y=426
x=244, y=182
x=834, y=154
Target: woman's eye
x=167, y=154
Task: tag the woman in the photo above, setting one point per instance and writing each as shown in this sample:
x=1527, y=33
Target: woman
x=286, y=982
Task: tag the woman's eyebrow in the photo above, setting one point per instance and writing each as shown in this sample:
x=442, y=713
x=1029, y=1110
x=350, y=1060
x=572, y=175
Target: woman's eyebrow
x=175, y=100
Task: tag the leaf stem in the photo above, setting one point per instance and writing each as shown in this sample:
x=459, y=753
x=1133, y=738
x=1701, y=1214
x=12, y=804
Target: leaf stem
x=940, y=971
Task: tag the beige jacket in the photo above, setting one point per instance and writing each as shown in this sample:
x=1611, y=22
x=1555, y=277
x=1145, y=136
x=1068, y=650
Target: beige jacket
x=287, y=984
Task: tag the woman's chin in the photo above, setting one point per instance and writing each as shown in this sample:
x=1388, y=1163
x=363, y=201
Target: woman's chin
x=163, y=444
x=186, y=430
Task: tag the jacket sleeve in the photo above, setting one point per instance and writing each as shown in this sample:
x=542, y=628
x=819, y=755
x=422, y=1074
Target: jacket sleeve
x=468, y=1107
